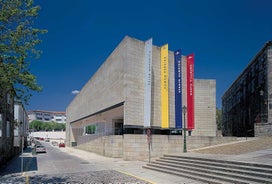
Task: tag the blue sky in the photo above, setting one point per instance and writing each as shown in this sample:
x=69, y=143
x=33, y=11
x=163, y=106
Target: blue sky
x=223, y=35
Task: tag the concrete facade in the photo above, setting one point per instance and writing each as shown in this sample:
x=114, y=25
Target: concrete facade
x=205, y=105
x=114, y=97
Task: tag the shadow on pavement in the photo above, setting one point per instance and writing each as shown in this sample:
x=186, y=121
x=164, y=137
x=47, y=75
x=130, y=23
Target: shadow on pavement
x=15, y=165
x=30, y=164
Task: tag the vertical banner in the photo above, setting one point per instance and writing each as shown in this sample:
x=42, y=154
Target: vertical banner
x=190, y=92
x=164, y=87
x=147, y=78
x=178, y=88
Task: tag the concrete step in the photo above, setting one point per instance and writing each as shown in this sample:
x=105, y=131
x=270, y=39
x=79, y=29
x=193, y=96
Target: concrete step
x=257, y=168
x=198, y=176
x=213, y=171
x=244, y=171
x=183, y=174
x=220, y=161
x=215, y=174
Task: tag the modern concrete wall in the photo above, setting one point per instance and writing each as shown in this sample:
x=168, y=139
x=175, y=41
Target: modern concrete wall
x=104, y=89
x=205, y=108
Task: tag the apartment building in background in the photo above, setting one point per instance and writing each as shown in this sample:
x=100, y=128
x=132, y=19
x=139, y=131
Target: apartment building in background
x=47, y=116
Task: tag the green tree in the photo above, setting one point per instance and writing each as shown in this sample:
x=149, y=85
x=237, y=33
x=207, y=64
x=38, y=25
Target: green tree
x=219, y=119
x=60, y=126
x=18, y=38
x=36, y=125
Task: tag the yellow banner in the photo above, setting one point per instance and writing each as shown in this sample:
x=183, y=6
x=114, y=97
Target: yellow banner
x=164, y=87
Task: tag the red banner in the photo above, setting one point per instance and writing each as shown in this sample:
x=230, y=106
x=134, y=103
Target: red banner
x=190, y=92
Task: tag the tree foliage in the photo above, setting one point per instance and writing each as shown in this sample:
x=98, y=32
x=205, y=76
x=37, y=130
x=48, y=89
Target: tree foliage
x=219, y=119
x=46, y=126
x=18, y=38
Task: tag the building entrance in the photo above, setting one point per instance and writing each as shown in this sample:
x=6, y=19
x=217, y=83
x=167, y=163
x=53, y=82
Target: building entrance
x=118, y=126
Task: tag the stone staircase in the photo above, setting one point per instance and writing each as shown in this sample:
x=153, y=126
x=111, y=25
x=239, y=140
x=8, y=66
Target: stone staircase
x=207, y=170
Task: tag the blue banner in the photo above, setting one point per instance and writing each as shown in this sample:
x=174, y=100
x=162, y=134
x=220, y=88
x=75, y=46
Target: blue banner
x=178, y=89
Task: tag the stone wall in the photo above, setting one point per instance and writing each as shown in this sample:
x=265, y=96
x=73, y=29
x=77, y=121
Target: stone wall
x=262, y=129
x=110, y=146
x=135, y=147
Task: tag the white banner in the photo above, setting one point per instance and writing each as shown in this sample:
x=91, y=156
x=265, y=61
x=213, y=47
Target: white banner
x=148, y=81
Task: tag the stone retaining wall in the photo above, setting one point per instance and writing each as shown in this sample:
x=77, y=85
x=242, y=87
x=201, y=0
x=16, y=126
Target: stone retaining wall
x=135, y=147
x=262, y=129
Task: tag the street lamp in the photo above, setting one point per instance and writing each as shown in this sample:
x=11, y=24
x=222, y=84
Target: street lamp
x=261, y=105
x=184, y=110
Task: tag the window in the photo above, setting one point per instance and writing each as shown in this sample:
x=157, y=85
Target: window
x=270, y=106
x=90, y=129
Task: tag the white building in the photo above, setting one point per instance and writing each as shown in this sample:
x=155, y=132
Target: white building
x=47, y=116
x=21, y=126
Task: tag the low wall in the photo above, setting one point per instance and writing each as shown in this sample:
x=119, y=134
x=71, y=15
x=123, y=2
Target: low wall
x=51, y=134
x=135, y=146
x=262, y=129
x=110, y=146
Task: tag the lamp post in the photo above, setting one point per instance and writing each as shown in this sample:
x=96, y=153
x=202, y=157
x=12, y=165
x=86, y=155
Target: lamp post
x=261, y=105
x=21, y=133
x=184, y=110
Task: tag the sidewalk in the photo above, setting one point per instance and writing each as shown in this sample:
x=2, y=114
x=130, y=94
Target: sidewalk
x=132, y=168
x=255, y=150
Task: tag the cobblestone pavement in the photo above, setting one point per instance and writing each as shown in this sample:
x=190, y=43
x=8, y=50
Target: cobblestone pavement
x=241, y=147
x=95, y=177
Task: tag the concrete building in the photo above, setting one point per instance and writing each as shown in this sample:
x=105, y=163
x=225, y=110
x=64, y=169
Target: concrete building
x=113, y=100
x=47, y=116
x=247, y=104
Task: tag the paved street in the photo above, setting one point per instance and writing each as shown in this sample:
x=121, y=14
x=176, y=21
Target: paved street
x=57, y=166
x=69, y=165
